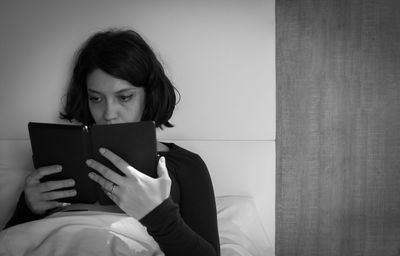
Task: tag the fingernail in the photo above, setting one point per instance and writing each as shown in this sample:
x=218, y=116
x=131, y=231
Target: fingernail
x=102, y=150
x=90, y=175
x=162, y=159
x=59, y=168
x=88, y=162
x=65, y=204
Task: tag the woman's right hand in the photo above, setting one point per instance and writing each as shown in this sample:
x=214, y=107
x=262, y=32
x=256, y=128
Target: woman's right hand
x=40, y=197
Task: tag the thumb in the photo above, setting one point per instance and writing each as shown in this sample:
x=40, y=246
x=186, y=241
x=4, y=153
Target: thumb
x=162, y=168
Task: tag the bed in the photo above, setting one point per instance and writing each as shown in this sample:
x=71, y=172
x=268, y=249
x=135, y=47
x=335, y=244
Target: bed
x=241, y=229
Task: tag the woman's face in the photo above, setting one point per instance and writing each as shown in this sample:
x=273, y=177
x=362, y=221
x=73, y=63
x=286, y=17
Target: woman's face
x=112, y=100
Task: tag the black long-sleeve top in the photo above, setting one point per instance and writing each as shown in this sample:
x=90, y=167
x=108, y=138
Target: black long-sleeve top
x=186, y=222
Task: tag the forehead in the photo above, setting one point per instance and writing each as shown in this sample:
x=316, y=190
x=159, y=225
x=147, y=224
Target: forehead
x=100, y=81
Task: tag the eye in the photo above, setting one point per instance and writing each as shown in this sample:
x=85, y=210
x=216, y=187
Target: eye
x=95, y=99
x=125, y=98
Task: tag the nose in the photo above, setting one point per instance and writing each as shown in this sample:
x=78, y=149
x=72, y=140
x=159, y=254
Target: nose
x=110, y=113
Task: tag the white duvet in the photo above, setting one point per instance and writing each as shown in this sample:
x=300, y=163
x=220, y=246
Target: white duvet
x=104, y=233
x=79, y=233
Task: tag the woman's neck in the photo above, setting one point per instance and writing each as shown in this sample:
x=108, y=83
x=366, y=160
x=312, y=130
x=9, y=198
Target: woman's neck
x=162, y=147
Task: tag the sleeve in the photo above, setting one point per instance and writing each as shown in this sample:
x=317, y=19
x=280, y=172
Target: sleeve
x=22, y=213
x=189, y=228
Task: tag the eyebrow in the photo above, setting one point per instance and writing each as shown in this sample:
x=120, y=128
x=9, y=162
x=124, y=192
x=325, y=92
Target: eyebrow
x=117, y=92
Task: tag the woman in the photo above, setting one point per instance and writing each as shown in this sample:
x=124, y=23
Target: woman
x=117, y=78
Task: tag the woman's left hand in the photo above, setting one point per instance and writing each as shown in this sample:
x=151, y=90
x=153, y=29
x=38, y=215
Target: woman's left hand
x=136, y=193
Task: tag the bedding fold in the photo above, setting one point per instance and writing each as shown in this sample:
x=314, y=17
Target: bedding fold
x=79, y=233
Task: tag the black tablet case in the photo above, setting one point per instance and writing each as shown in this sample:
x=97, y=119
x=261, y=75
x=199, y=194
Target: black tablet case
x=71, y=145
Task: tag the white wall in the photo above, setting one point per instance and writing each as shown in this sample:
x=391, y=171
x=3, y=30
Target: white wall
x=219, y=54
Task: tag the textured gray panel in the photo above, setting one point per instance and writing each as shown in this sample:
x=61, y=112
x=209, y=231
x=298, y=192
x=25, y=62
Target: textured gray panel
x=338, y=128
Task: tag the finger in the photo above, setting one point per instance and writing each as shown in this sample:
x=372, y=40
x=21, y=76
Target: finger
x=54, y=204
x=47, y=170
x=62, y=204
x=105, y=184
x=48, y=196
x=162, y=170
x=119, y=162
x=106, y=172
x=35, y=177
x=112, y=196
x=53, y=185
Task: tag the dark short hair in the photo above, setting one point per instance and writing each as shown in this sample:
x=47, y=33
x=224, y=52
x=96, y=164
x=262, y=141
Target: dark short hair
x=122, y=54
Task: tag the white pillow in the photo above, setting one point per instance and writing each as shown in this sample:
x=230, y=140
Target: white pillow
x=240, y=228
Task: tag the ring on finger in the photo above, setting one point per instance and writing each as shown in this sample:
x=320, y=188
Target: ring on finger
x=112, y=188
